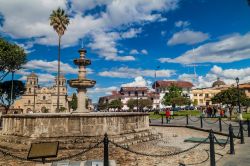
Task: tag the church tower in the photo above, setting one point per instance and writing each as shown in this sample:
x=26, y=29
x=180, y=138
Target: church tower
x=62, y=84
x=32, y=83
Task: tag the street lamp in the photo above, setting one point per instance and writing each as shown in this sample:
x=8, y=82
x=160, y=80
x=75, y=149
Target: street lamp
x=136, y=91
x=238, y=89
x=155, y=76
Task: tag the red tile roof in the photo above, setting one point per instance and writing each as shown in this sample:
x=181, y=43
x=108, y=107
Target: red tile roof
x=126, y=89
x=181, y=84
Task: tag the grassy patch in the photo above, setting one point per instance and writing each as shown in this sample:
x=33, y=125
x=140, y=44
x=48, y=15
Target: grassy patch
x=176, y=113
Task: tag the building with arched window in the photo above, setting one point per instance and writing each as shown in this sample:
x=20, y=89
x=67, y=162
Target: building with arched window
x=43, y=99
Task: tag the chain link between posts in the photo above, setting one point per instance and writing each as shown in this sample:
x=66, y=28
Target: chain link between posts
x=193, y=120
x=157, y=155
x=205, y=120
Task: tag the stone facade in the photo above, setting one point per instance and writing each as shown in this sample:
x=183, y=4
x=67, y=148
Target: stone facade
x=63, y=125
x=42, y=99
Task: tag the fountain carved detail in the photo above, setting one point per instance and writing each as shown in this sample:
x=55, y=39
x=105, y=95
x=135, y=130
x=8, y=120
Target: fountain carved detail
x=82, y=83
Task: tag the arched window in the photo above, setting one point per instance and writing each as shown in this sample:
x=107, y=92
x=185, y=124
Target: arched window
x=44, y=97
x=28, y=101
x=30, y=90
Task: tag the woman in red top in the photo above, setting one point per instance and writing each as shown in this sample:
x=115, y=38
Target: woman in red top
x=167, y=115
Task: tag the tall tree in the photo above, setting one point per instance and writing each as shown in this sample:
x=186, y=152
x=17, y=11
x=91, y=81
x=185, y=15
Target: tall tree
x=5, y=92
x=73, y=102
x=229, y=98
x=12, y=57
x=59, y=20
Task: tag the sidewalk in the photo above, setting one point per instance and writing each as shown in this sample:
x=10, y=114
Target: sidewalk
x=241, y=157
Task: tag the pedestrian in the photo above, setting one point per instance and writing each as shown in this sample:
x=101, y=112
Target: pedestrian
x=171, y=114
x=214, y=112
x=167, y=115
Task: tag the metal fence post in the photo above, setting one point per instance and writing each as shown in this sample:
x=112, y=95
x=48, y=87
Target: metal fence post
x=106, y=150
x=231, y=137
x=187, y=119
x=161, y=118
x=248, y=127
x=220, y=124
x=212, y=152
x=241, y=133
x=201, y=122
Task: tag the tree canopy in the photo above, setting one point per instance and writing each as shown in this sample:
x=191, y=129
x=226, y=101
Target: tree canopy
x=116, y=104
x=12, y=57
x=229, y=98
x=174, y=97
x=5, y=92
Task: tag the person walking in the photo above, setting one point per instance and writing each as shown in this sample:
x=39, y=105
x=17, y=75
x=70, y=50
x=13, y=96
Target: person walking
x=167, y=115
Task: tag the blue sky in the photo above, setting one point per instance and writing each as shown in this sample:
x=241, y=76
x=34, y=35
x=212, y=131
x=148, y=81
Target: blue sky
x=127, y=40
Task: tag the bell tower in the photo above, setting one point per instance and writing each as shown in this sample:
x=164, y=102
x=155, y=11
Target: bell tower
x=32, y=83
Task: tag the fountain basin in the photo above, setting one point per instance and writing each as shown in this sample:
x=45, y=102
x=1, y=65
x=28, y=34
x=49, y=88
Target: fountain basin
x=65, y=124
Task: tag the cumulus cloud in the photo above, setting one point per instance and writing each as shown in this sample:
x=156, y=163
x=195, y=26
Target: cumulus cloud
x=187, y=37
x=138, y=82
x=145, y=52
x=229, y=49
x=117, y=16
x=134, y=51
x=106, y=90
x=227, y=75
x=125, y=72
x=182, y=24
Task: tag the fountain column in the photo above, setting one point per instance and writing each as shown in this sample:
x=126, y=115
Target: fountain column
x=82, y=83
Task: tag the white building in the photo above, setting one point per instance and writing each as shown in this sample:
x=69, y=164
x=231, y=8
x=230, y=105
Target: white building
x=161, y=88
x=127, y=93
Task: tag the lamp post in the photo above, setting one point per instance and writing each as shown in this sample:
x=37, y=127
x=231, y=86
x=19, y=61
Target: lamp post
x=155, y=76
x=238, y=89
x=136, y=91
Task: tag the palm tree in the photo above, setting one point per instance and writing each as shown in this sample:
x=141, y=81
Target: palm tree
x=59, y=20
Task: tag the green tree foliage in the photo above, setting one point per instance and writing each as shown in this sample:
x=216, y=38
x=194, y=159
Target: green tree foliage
x=229, y=98
x=73, y=102
x=116, y=104
x=12, y=57
x=5, y=92
x=145, y=103
x=59, y=20
x=174, y=97
x=131, y=103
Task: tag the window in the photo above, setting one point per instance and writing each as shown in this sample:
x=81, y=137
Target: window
x=129, y=93
x=28, y=101
x=142, y=93
x=195, y=94
x=44, y=97
x=29, y=90
x=201, y=94
x=206, y=95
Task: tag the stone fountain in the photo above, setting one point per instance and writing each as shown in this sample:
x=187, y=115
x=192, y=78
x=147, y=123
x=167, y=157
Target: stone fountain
x=82, y=83
x=76, y=130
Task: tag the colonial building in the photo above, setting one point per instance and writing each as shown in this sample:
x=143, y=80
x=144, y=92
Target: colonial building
x=127, y=93
x=161, y=87
x=42, y=99
x=202, y=96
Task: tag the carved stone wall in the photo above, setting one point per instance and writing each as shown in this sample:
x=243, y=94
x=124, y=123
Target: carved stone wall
x=63, y=125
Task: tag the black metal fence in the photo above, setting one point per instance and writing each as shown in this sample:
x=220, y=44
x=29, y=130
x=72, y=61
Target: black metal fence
x=106, y=143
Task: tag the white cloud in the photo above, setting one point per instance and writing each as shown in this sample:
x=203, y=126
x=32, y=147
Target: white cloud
x=134, y=51
x=182, y=24
x=104, y=44
x=138, y=82
x=145, y=52
x=187, y=37
x=26, y=46
x=131, y=33
x=229, y=49
x=226, y=75
x=106, y=90
x=118, y=14
x=49, y=66
x=125, y=72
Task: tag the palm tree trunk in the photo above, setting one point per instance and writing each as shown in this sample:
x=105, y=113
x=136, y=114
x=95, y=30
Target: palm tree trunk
x=58, y=72
x=11, y=93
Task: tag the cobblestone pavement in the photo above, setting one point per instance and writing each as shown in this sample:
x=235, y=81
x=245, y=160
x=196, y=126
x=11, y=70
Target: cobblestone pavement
x=172, y=141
